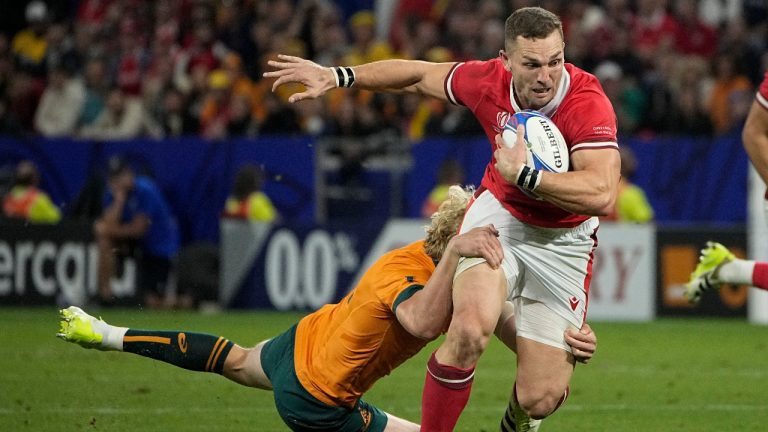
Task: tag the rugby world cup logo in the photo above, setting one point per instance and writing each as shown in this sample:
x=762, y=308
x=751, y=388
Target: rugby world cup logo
x=501, y=120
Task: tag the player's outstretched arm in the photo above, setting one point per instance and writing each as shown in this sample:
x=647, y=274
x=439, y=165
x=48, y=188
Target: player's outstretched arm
x=755, y=137
x=412, y=76
x=426, y=313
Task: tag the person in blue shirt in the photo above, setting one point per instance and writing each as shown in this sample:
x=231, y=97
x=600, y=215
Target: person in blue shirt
x=136, y=214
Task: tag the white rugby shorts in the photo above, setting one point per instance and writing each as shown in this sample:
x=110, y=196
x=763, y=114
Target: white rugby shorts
x=544, y=266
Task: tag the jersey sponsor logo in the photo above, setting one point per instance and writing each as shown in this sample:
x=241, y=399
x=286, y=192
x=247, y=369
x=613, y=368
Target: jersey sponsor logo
x=182, y=341
x=574, y=302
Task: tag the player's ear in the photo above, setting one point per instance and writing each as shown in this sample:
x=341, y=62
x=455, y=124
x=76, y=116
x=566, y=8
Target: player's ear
x=504, y=59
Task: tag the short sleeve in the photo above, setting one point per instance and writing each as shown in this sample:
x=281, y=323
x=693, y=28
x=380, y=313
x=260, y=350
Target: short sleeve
x=462, y=82
x=591, y=119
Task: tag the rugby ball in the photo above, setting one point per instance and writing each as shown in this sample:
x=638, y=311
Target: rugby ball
x=546, y=147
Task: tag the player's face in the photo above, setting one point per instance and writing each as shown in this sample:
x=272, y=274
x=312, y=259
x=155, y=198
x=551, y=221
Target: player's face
x=537, y=68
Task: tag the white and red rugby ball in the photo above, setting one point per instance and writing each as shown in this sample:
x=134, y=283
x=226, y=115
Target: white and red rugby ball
x=546, y=146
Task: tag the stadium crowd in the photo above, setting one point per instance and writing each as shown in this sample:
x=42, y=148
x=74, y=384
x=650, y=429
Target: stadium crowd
x=116, y=69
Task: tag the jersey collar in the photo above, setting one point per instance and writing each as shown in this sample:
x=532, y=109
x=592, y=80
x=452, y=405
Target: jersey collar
x=550, y=108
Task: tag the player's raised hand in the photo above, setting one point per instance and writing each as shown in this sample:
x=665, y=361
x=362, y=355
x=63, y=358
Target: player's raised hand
x=583, y=342
x=509, y=158
x=480, y=242
x=289, y=69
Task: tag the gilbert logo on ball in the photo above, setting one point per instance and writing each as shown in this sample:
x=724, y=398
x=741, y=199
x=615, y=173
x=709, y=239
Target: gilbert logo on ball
x=546, y=147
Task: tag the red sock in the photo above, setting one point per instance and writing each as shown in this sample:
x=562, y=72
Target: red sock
x=446, y=392
x=760, y=275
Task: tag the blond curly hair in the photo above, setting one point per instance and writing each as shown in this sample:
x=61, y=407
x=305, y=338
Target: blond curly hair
x=446, y=220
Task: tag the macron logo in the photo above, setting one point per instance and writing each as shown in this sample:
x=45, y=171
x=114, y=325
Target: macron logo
x=574, y=302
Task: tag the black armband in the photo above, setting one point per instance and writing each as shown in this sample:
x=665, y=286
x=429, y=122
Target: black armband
x=345, y=76
x=528, y=178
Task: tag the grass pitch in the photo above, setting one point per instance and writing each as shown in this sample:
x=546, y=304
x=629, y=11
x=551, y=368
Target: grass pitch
x=669, y=375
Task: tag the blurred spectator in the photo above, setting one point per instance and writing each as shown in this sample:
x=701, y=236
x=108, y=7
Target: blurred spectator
x=247, y=200
x=690, y=115
x=657, y=86
x=354, y=118
x=631, y=203
x=653, y=30
x=728, y=81
x=197, y=53
x=6, y=64
x=744, y=46
x=132, y=59
x=9, y=125
x=175, y=119
x=61, y=52
x=26, y=200
x=491, y=36
x=450, y=173
x=123, y=118
x=717, y=12
x=692, y=36
x=159, y=76
x=627, y=99
x=136, y=216
x=422, y=37
x=29, y=45
x=243, y=88
x=96, y=89
x=24, y=92
x=61, y=105
x=406, y=13
x=91, y=13
x=216, y=111
x=365, y=47
x=280, y=118
x=461, y=28
x=618, y=17
x=240, y=121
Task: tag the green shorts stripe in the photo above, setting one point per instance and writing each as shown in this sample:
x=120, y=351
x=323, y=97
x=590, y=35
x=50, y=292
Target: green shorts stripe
x=298, y=408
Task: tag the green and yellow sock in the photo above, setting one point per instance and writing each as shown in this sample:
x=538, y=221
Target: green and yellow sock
x=193, y=351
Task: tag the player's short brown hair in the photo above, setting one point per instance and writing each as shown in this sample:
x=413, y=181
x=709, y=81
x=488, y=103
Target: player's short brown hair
x=531, y=23
x=446, y=221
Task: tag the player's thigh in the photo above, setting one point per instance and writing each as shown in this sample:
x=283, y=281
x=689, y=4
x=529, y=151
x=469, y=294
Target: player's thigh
x=478, y=295
x=544, y=362
x=255, y=368
x=542, y=368
x=243, y=365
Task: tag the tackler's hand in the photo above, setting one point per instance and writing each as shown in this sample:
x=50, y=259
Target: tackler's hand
x=480, y=242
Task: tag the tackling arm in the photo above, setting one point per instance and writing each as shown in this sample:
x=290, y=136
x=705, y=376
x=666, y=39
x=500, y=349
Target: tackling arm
x=426, y=313
x=413, y=76
x=755, y=138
